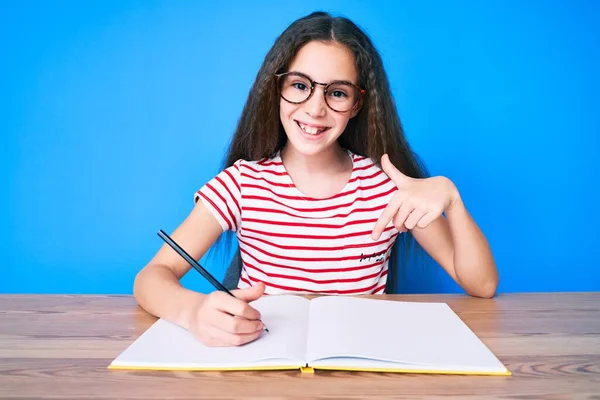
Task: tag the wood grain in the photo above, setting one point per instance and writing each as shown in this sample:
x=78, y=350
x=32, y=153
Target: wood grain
x=58, y=347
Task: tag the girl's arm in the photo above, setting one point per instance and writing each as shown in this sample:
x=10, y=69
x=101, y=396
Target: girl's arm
x=455, y=242
x=216, y=319
x=459, y=246
x=157, y=288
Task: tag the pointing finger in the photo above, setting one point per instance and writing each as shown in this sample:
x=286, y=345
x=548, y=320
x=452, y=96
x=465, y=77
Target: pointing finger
x=386, y=216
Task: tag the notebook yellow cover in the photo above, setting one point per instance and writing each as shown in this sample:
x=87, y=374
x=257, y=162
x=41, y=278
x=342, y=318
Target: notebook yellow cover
x=327, y=333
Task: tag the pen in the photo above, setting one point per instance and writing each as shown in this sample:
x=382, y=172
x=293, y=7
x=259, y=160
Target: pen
x=195, y=264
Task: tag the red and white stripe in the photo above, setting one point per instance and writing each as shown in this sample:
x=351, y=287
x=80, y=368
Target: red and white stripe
x=297, y=244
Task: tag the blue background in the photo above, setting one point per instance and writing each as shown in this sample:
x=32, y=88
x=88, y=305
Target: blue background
x=115, y=112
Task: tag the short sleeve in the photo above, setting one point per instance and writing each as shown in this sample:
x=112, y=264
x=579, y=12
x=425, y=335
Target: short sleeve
x=221, y=195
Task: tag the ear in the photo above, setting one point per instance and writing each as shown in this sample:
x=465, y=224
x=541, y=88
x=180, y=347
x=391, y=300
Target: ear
x=357, y=108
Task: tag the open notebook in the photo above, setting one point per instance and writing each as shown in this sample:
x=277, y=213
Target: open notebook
x=340, y=333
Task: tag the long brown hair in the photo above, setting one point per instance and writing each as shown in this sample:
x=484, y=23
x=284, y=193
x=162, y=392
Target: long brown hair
x=374, y=131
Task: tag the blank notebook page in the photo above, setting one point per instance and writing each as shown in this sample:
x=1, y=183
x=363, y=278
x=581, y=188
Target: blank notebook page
x=426, y=334
x=168, y=345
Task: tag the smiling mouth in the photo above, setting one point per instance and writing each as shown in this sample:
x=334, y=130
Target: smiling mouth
x=311, y=130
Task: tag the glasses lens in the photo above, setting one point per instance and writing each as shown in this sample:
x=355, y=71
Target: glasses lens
x=294, y=88
x=342, y=96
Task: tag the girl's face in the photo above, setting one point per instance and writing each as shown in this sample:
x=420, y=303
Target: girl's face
x=312, y=126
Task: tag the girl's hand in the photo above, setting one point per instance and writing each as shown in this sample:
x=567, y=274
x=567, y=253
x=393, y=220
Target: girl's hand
x=218, y=319
x=417, y=203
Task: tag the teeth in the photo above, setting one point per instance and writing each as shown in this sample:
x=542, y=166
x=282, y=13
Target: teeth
x=311, y=129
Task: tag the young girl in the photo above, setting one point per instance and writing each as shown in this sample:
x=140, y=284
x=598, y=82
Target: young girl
x=319, y=184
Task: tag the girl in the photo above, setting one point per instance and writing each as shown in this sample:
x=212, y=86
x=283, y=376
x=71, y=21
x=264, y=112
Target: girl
x=319, y=184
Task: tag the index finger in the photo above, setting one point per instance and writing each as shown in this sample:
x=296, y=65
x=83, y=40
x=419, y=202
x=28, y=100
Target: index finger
x=236, y=307
x=386, y=216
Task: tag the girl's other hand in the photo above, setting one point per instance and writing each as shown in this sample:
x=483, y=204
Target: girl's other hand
x=217, y=319
x=417, y=203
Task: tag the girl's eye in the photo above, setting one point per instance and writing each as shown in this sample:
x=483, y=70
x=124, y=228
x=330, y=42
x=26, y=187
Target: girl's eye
x=339, y=94
x=300, y=86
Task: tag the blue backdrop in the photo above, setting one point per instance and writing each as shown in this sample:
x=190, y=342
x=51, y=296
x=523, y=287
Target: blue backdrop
x=115, y=112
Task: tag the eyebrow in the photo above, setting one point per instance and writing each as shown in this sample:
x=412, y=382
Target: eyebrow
x=324, y=83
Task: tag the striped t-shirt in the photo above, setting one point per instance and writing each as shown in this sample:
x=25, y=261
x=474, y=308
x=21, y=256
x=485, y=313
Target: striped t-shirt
x=297, y=244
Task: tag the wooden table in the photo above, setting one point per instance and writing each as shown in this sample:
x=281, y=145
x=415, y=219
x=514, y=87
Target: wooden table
x=59, y=347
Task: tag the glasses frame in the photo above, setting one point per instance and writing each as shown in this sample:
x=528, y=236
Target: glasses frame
x=313, y=83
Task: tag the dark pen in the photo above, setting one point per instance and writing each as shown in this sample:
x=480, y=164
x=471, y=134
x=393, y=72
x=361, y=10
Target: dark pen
x=195, y=264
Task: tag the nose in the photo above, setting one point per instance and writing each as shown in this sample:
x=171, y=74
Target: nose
x=316, y=105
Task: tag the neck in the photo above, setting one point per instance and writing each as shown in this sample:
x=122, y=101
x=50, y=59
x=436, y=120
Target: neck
x=335, y=159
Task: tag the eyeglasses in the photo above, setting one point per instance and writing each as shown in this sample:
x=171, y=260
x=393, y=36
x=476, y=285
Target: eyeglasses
x=296, y=88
